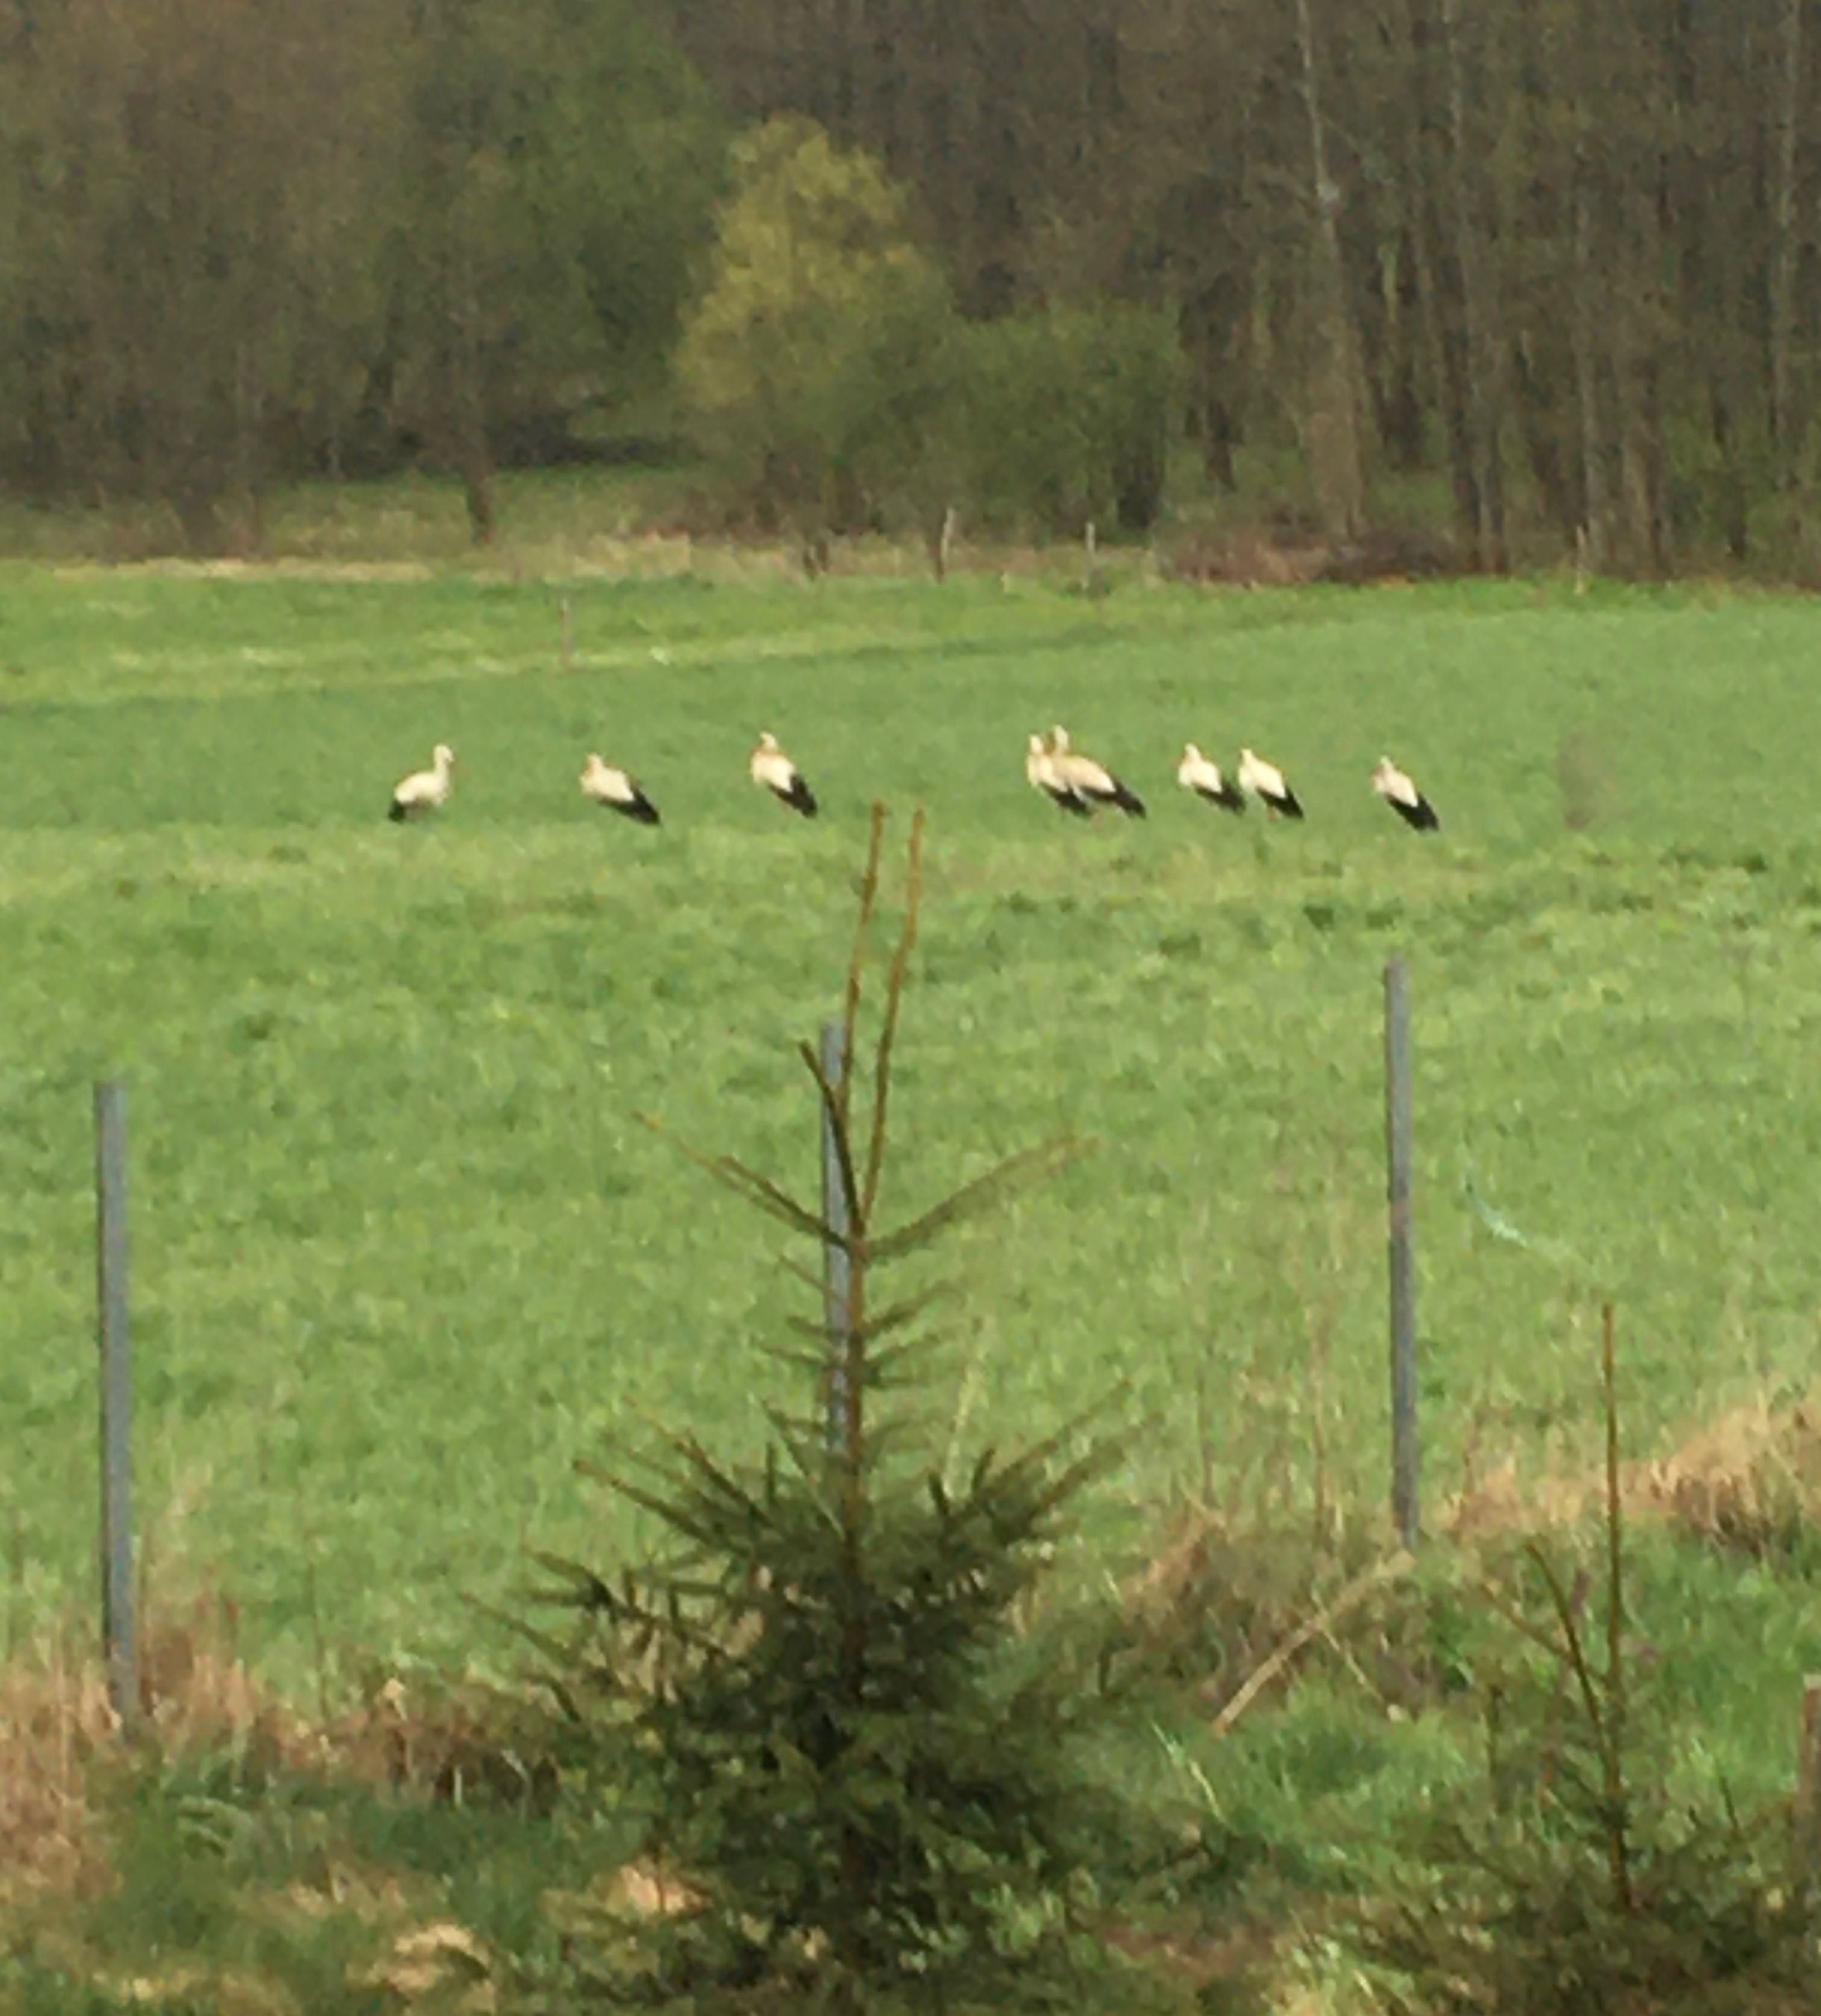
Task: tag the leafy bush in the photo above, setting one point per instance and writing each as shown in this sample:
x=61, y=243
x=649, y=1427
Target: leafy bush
x=1062, y=417
x=827, y=370
x=813, y=362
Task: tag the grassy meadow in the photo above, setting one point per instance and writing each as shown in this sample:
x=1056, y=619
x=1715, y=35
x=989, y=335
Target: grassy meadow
x=403, y=1251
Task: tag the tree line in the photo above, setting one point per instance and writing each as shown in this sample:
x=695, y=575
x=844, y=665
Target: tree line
x=240, y=241
x=1562, y=256
x=1566, y=253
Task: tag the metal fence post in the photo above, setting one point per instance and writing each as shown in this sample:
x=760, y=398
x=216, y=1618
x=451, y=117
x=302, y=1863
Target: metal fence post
x=1400, y=1146
x=837, y=1270
x=119, y=1644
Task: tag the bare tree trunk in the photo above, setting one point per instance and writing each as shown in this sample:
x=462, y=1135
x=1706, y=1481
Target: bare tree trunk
x=888, y=94
x=1400, y=399
x=1215, y=324
x=477, y=466
x=1334, y=417
x=842, y=41
x=1596, y=499
x=1596, y=507
x=1481, y=403
x=1646, y=453
x=1783, y=307
x=1441, y=343
x=466, y=417
x=249, y=414
x=1535, y=407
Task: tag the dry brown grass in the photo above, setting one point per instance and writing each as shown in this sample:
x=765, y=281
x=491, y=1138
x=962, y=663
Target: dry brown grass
x=1285, y=554
x=1750, y=1482
x=71, y=1779
x=59, y=1737
x=53, y=1721
x=444, y=1962
x=58, y=1728
x=1235, y=1615
x=1220, y=1600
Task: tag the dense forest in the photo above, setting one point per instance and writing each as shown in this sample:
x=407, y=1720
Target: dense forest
x=1563, y=255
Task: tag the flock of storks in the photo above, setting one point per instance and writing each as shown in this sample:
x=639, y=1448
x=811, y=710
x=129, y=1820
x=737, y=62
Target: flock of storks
x=1075, y=783
x=1072, y=781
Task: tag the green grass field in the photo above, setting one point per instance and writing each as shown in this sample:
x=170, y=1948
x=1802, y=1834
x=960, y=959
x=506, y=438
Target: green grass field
x=403, y=1252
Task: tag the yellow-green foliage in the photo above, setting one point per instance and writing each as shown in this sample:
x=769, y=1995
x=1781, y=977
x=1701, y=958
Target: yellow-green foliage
x=811, y=357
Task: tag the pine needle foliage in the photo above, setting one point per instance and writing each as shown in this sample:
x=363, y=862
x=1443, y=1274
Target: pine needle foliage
x=1580, y=1887
x=862, y=1775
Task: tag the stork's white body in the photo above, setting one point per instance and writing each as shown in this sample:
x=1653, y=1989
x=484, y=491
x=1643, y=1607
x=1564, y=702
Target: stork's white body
x=1088, y=780
x=618, y=790
x=425, y=791
x=1041, y=772
x=1197, y=774
x=774, y=770
x=1268, y=784
x=1398, y=789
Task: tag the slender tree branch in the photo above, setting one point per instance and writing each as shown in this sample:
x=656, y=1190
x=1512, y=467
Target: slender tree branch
x=1262, y=1676
x=1576, y=1652
x=850, y=1010
x=1029, y=1165
x=894, y=988
x=750, y=1184
x=834, y=1107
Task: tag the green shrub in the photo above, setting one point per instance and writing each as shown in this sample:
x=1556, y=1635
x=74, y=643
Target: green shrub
x=827, y=371
x=1063, y=416
x=812, y=363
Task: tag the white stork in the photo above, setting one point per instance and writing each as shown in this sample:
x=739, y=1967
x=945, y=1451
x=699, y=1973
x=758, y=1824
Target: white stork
x=1398, y=789
x=1267, y=783
x=425, y=791
x=1041, y=772
x=1090, y=780
x=773, y=768
x=1196, y=773
x=618, y=790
